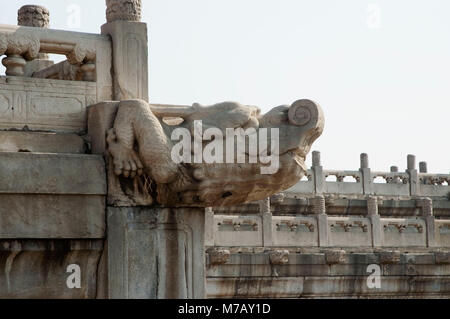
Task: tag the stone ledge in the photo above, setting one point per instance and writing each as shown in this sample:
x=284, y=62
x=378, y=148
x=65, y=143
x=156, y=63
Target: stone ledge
x=329, y=287
x=36, y=142
x=330, y=256
x=52, y=216
x=37, y=173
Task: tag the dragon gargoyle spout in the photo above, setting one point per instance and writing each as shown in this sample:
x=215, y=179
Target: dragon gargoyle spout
x=220, y=155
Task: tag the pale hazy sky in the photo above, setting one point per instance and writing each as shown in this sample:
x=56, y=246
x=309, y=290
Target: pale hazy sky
x=379, y=69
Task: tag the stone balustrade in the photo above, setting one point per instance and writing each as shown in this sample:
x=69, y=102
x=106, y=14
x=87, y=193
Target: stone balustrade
x=22, y=43
x=31, y=98
x=364, y=182
x=308, y=226
x=406, y=209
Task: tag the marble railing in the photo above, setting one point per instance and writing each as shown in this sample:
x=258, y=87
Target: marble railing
x=331, y=208
x=320, y=222
x=31, y=97
x=411, y=183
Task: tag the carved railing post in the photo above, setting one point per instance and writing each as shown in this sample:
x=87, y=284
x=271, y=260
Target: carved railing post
x=38, y=17
x=374, y=216
x=266, y=215
x=319, y=177
x=130, y=52
x=413, y=176
x=319, y=210
x=366, y=174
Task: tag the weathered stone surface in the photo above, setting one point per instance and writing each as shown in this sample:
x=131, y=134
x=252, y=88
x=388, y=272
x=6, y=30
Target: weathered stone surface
x=289, y=231
x=45, y=105
x=349, y=231
x=39, y=17
x=335, y=256
x=100, y=119
x=52, y=216
x=64, y=174
x=38, y=268
x=218, y=256
x=156, y=253
x=37, y=142
x=403, y=232
x=279, y=257
x=248, y=273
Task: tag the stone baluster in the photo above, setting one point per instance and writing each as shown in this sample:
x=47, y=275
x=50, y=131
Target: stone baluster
x=319, y=177
x=266, y=215
x=366, y=174
x=374, y=216
x=423, y=167
x=394, y=169
x=413, y=176
x=38, y=17
x=20, y=47
x=129, y=41
x=319, y=209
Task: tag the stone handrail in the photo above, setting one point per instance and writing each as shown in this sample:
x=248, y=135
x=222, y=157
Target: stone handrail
x=410, y=183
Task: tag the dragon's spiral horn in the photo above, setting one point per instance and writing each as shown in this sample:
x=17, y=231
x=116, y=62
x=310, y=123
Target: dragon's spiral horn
x=305, y=112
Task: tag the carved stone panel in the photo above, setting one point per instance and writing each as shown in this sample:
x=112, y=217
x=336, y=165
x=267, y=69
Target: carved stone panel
x=401, y=232
x=349, y=232
x=442, y=233
x=295, y=231
x=46, y=105
x=237, y=230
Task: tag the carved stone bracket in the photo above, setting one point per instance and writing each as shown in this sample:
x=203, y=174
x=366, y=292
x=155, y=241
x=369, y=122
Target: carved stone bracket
x=218, y=256
x=335, y=256
x=442, y=258
x=279, y=257
x=19, y=48
x=33, y=16
x=390, y=257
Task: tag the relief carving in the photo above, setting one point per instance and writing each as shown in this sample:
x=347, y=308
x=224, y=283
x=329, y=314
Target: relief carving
x=127, y=10
x=141, y=148
x=33, y=16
